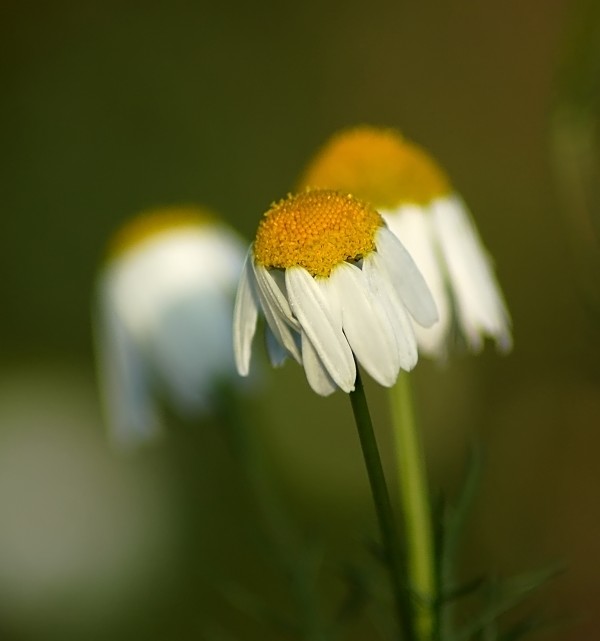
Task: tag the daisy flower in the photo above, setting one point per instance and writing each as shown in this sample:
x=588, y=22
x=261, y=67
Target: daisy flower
x=420, y=206
x=333, y=284
x=163, y=312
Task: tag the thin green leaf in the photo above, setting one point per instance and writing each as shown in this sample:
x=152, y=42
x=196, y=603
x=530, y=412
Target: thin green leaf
x=465, y=589
x=455, y=518
x=523, y=628
x=506, y=595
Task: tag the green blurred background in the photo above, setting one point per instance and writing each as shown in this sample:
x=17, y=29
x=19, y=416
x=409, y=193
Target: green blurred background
x=110, y=107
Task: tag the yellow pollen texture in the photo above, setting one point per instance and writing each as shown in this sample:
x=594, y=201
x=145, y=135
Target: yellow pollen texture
x=379, y=166
x=316, y=230
x=153, y=222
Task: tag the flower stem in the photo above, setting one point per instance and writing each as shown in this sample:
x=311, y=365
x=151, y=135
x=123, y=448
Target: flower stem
x=414, y=496
x=383, y=507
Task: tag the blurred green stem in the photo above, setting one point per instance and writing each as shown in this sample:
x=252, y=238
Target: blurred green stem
x=414, y=496
x=383, y=507
x=295, y=559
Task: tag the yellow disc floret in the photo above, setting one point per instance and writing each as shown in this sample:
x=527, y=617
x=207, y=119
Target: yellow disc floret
x=377, y=165
x=316, y=230
x=155, y=221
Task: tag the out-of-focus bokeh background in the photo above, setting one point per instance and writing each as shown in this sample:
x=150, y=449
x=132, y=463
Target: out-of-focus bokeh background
x=111, y=107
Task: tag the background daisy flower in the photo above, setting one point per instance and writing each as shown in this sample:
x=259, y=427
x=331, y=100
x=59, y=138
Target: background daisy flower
x=333, y=283
x=419, y=204
x=163, y=309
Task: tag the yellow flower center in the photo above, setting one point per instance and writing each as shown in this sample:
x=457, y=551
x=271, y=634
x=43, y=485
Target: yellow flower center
x=377, y=165
x=153, y=222
x=316, y=230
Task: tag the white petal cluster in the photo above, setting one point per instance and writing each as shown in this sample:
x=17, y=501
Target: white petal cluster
x=444, y=243
x=417, y=200
x=163, y=325
x=361, y=311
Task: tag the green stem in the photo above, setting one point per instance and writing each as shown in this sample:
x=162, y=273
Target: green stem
x=383, y=507
x=414, y=497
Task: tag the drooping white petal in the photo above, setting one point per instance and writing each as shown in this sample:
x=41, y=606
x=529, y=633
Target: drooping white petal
x=333, y=300
x=311, y=308
x=277, y=353
x=316, y=374
x=412, y=225
x=479, y=302
x=191, y=348
x=366, y=325
x=402, y=325
x=276, y=310
x=245, y=313
x=272, y=288
x=406, y=278
x=124, y=376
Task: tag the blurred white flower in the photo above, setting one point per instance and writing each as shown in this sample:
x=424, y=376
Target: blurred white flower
x=83, y=534
x=333, y=284
x=420, y=206
x=163, y=317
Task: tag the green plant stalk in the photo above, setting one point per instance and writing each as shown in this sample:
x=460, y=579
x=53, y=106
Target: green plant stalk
x=414, y=497
x=383, y=508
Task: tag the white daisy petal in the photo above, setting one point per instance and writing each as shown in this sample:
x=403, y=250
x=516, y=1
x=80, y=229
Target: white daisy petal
x=480, y=306
x=271, y=304
x=398, y=317
x=316, y=374
x=245, y=313
x=366, y=325
x=199, y=319
x=132, y=413
x=412, y=225
x=277, y=353
x=312, y=310
x=272, y=289
x=406, y=278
